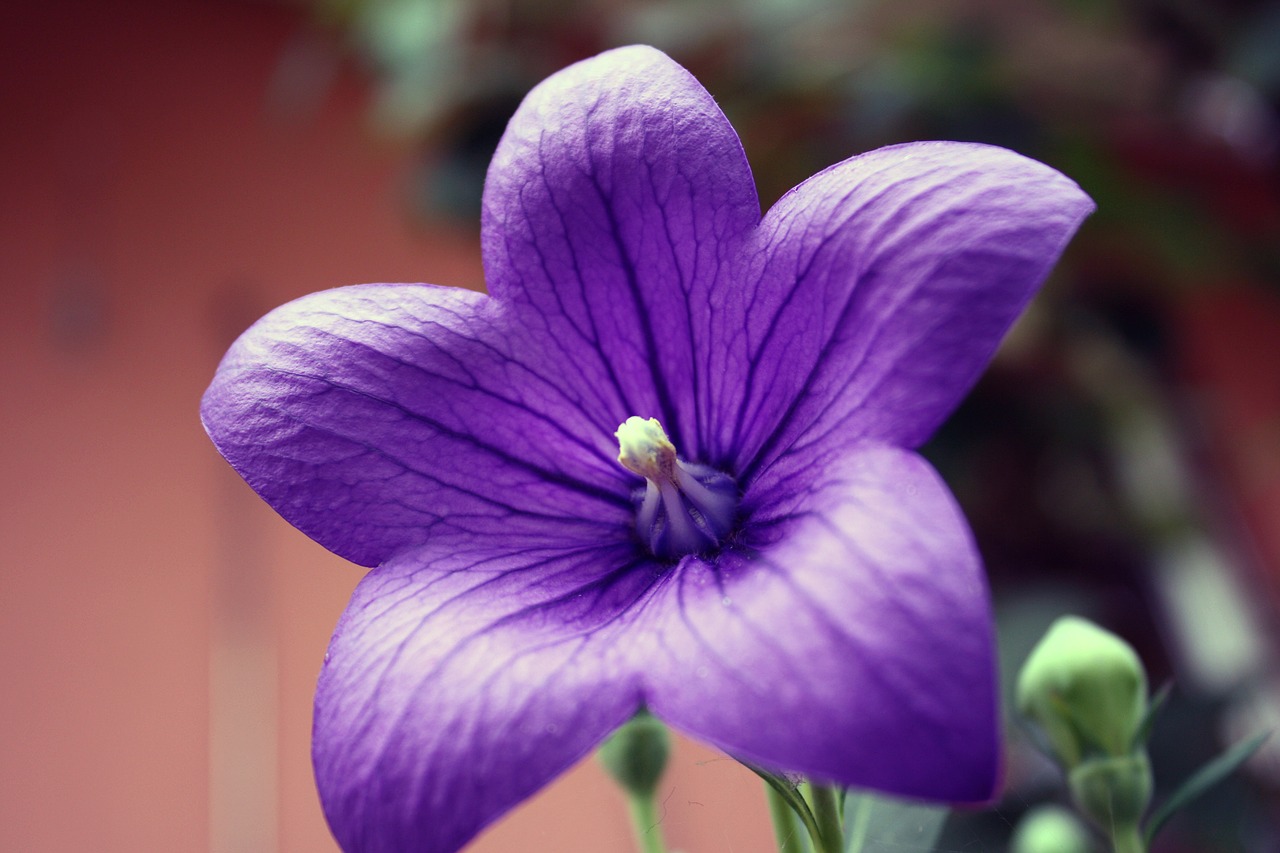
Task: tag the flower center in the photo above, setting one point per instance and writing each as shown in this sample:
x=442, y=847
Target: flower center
x=684, y=508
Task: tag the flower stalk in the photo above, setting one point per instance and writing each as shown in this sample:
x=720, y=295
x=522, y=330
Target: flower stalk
x=636, y=756
x=785, y=821
x=791, y=798
x=826, y=813
x=815, y=807
x=1127, y=839
x=645, y=821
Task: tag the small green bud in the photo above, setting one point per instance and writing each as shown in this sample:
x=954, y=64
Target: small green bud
x=1112, y=792
x=1086, y=690
x=636, y=754
x=1050, y=829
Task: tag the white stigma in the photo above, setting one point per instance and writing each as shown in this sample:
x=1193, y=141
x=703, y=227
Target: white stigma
x=684, y=508
x=643, y=447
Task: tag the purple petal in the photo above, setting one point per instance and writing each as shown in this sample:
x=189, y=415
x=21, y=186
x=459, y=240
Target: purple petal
x=854, y=644
x=466, y=444
x=615, y=205
x=464, y=677
x=880, y=289
x=374, y=417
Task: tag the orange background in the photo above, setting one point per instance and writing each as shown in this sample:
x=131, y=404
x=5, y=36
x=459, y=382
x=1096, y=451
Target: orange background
x=163, y=184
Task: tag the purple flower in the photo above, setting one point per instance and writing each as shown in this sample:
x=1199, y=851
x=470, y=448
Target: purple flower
x=791, y=582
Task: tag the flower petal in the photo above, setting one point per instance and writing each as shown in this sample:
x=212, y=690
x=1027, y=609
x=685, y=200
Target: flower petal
x=881, y=288
x=464, y=677
x=613, y=208
x=853, y=644
x=373, y=417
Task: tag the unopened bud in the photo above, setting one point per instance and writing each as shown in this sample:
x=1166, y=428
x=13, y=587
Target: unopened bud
x=1050, y=829
x=636, y=754
x=1112, y=792
x=1086, y=690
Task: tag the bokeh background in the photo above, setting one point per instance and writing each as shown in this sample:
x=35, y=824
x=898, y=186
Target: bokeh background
x=171, y=169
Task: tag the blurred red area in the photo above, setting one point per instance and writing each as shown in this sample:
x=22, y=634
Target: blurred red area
x=167, y=178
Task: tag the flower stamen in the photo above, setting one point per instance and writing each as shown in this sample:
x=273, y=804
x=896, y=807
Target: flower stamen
x=684, y=508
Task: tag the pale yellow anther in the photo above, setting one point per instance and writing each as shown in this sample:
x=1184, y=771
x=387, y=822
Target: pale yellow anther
x=684, y=507
x=643, y=447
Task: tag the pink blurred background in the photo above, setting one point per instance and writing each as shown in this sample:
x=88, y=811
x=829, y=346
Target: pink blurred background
x=160, y=628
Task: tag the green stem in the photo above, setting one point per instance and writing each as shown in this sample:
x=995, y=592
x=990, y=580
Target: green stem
x=644, y=819
x=784, y=821
x=1127, y=839
x=792, y=797
x=826, y=813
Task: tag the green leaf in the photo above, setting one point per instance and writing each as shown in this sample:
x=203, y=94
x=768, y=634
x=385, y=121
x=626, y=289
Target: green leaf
x=1154, y=707
x=788, y=829
x=787, y=792
x=875, y=824
x=1204, y=779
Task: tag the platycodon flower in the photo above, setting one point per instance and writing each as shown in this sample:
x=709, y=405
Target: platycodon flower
x=667, y=462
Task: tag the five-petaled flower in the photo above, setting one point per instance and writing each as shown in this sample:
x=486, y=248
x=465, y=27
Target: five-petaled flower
x=793, y=584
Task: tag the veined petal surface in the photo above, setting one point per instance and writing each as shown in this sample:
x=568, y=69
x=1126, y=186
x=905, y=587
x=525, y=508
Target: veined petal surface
x=463, y=444
x=465, y=676
x=375, y=417
x=877, y=291
x=849, y=638
x=615, y=209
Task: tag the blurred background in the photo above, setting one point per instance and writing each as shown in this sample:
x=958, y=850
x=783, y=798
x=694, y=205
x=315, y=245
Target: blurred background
x=169, y=171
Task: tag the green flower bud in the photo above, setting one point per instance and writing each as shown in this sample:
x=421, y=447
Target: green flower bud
x=636, y=754
x=1112, y=792
x=1086, y=690
x=1050, y=829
